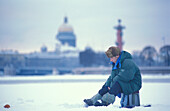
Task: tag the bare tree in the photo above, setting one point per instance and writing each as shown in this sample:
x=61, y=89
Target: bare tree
x=148, y=55
x=165, y=54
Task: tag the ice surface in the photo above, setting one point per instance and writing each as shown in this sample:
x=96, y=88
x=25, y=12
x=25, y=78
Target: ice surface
x=68, y=96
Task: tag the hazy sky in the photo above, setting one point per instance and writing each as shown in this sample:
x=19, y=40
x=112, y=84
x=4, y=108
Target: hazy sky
x=25, y=25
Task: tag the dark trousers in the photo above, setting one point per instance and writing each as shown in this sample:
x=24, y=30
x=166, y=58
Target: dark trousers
x=115, y=89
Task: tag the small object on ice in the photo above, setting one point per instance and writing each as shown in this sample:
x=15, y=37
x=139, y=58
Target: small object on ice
x=148, y=105
x=7, y=106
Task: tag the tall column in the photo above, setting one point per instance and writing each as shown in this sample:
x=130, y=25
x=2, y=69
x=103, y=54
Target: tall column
x=119, y=29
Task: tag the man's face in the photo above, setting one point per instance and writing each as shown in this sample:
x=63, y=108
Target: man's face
x=114, y=59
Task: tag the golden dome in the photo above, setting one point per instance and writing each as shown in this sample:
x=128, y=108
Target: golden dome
x=65, y=27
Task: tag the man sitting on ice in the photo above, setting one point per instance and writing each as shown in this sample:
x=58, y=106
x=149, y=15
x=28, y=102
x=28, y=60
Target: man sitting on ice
x=125, y=78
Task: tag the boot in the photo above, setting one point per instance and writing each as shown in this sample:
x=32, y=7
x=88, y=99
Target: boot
x=107, y=99
x=93, y=100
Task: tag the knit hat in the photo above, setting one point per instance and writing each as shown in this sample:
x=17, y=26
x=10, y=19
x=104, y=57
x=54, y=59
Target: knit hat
x=112, y=52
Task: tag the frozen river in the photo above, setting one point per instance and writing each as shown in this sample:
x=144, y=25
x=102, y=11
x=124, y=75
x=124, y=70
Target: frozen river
x=66, y=93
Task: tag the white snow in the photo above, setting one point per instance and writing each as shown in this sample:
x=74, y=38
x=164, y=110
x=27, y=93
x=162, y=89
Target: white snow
x=68, y=96
x=74, y=77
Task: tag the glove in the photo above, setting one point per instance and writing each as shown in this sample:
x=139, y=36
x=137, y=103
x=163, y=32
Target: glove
x=103, y=90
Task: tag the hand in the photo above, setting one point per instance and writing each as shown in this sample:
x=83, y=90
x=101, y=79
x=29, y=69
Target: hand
x=103, y=90
x=109, y=88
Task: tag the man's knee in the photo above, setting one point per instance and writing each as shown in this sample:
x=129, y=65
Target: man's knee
x=115, y=89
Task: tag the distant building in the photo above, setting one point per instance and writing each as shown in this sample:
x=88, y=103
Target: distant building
x=15, y=60
x=44, y=49
x=63, y=59
x=10, y=61
x=66, y=34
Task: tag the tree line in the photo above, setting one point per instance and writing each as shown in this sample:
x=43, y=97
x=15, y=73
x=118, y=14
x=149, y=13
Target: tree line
x=147, y=57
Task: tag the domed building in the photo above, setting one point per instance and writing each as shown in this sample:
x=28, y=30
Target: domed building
x=66, y=34
x=44, y=49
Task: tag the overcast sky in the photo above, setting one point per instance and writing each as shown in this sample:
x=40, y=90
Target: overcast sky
x=26, y=25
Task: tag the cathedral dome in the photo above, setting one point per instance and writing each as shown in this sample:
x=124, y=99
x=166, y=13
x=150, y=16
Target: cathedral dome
x=65, y=27
x=66, y=35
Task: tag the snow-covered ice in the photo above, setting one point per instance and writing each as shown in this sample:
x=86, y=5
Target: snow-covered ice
x=48, y=95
